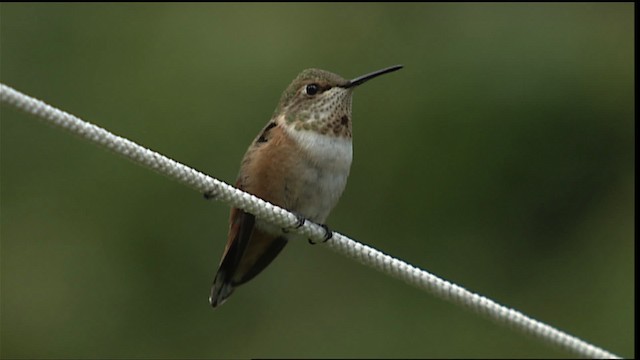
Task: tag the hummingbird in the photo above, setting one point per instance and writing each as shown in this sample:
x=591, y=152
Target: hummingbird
x=299, y=161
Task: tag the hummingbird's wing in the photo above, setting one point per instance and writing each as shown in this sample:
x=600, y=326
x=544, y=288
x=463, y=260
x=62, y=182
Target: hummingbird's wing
x=249, y=250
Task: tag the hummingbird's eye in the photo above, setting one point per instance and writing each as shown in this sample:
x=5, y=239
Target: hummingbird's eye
x=311, y=89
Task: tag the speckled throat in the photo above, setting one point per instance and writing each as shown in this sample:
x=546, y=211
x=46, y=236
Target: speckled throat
x=329, y=114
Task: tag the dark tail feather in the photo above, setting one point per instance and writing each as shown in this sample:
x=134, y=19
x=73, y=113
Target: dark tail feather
x=239, y=266
x=221, y=289
x=225, y=282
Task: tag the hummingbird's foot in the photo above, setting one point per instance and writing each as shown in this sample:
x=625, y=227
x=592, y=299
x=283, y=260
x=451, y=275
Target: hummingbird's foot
x=299, y=223
x=328, y=234
x=209, y=195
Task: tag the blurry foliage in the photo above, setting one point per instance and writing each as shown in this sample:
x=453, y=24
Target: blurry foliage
x=500, y=158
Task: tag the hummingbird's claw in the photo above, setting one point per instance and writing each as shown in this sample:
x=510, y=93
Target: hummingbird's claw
x=211, y=194
x=299, y=223
x=328, y=234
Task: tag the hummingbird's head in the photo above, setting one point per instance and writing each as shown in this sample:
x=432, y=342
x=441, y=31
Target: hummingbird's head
x=318, y=100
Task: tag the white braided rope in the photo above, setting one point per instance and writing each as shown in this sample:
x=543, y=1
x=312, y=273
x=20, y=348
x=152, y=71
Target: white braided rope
x=276, y=215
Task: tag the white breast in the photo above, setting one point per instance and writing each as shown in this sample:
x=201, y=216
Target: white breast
x=325, y=177
x=331, y=151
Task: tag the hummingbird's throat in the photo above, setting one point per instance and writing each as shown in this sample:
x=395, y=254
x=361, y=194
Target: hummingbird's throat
x=328, y=115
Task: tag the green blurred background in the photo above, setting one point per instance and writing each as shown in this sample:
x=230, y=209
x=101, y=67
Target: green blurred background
x=500, y=158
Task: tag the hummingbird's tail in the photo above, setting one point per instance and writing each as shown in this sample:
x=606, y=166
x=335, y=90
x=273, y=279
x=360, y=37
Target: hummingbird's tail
x=221, y=289
x=249, y=252
x=233, y=272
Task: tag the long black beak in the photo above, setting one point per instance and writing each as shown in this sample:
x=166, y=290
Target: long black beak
x=362, y=79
